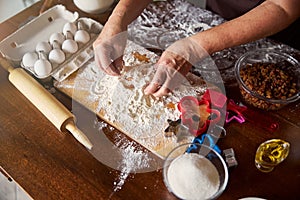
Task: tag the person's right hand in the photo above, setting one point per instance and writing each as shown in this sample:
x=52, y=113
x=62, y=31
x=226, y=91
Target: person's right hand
x=173, y=66
x=109, y=49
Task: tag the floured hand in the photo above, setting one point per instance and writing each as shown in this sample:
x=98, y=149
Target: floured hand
x=173, y=65
x=109, y=50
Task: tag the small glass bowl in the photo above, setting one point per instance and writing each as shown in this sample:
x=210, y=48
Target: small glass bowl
x=199, y=149
x=260, y=97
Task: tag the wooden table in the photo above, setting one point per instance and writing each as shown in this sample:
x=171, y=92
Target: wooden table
x=49, y=164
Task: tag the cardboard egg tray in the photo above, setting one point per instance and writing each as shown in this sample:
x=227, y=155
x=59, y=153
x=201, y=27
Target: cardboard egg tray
x=40, y=29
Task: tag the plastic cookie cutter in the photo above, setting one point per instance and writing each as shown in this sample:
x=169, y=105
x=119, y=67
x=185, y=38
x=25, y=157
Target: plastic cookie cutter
x=241, y=113
x=216, y=99
x=234, y=112
x=219, y=100
x=206, y=139
x=177, y=128
x=197, y=115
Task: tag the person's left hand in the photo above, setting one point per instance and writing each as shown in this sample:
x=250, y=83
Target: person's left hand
x=173, y=65
x=109, y=50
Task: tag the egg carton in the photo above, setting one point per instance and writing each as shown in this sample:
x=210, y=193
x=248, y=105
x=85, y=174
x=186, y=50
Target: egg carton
x=56, y=43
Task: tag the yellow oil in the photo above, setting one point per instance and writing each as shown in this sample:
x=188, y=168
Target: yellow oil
x=271, y=153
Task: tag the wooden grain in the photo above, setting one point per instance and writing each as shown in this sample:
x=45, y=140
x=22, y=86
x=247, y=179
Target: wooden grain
x=49, y=164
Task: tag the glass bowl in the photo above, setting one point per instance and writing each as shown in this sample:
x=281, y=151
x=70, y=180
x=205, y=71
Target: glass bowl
x=195, y=171
x=268, y=79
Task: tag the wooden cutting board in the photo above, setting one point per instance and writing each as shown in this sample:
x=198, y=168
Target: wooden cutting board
x=120, y=101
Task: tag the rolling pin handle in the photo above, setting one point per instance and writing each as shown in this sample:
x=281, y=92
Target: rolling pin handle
x=5, y=64
x=70, y=126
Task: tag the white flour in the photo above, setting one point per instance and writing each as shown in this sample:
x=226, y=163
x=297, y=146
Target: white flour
x=192, y=176
x=134, y=160
x=121, y=101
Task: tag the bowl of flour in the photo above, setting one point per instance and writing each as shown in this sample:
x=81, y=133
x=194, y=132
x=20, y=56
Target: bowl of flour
x=195, y=172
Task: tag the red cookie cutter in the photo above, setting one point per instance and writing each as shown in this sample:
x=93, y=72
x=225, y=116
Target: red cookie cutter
x=197, y=114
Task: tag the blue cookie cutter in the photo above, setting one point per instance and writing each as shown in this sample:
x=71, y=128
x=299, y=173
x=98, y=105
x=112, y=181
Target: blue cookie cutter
x=200, y=140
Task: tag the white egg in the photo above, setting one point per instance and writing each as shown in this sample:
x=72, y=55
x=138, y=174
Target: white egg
x=69, y=26
x=69, y=46
x=82, y=36
x=42, y=68
x=59, y=37
x=57, y=56
x=43, y=46
x=29, y=59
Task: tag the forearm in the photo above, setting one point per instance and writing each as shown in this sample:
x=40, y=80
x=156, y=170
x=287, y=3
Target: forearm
x=265, y=20
x=126, y=11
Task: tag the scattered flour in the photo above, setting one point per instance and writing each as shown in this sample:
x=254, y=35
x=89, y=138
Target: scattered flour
x=133, y=160
x=128, y=156
x=122, y=102
x=192, y=176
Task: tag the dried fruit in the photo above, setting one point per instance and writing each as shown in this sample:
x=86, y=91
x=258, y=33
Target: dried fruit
x=270, y=80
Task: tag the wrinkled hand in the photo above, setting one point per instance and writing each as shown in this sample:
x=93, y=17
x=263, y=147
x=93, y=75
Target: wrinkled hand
x=173, y=65
x=109, y=50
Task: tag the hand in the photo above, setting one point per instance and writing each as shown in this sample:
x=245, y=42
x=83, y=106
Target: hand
x=170, y=73
x=109, y=49
x=173, y=65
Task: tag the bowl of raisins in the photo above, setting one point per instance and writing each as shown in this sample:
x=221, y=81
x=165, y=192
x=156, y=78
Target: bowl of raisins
x=268, y=79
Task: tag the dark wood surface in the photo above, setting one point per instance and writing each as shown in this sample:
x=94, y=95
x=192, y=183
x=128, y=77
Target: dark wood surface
x=49, y=164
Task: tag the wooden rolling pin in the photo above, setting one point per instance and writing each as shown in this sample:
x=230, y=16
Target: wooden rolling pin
x=55, y=111
x=47, y=4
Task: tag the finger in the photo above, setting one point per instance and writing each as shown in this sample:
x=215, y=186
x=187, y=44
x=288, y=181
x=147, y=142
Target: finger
x=151, y=88
x=115, y=67
x=169, y=79
x=101, y=56
x=162, y=91
x=104, y=61
x=107, y=66
x=112, y=70
x=160, y=75
x=172, y=81
x=119, y=64
x=157, y=81
x=97, y=62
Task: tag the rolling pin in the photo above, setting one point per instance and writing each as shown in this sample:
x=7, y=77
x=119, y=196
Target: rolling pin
x=47, y=4
x=55, y=111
